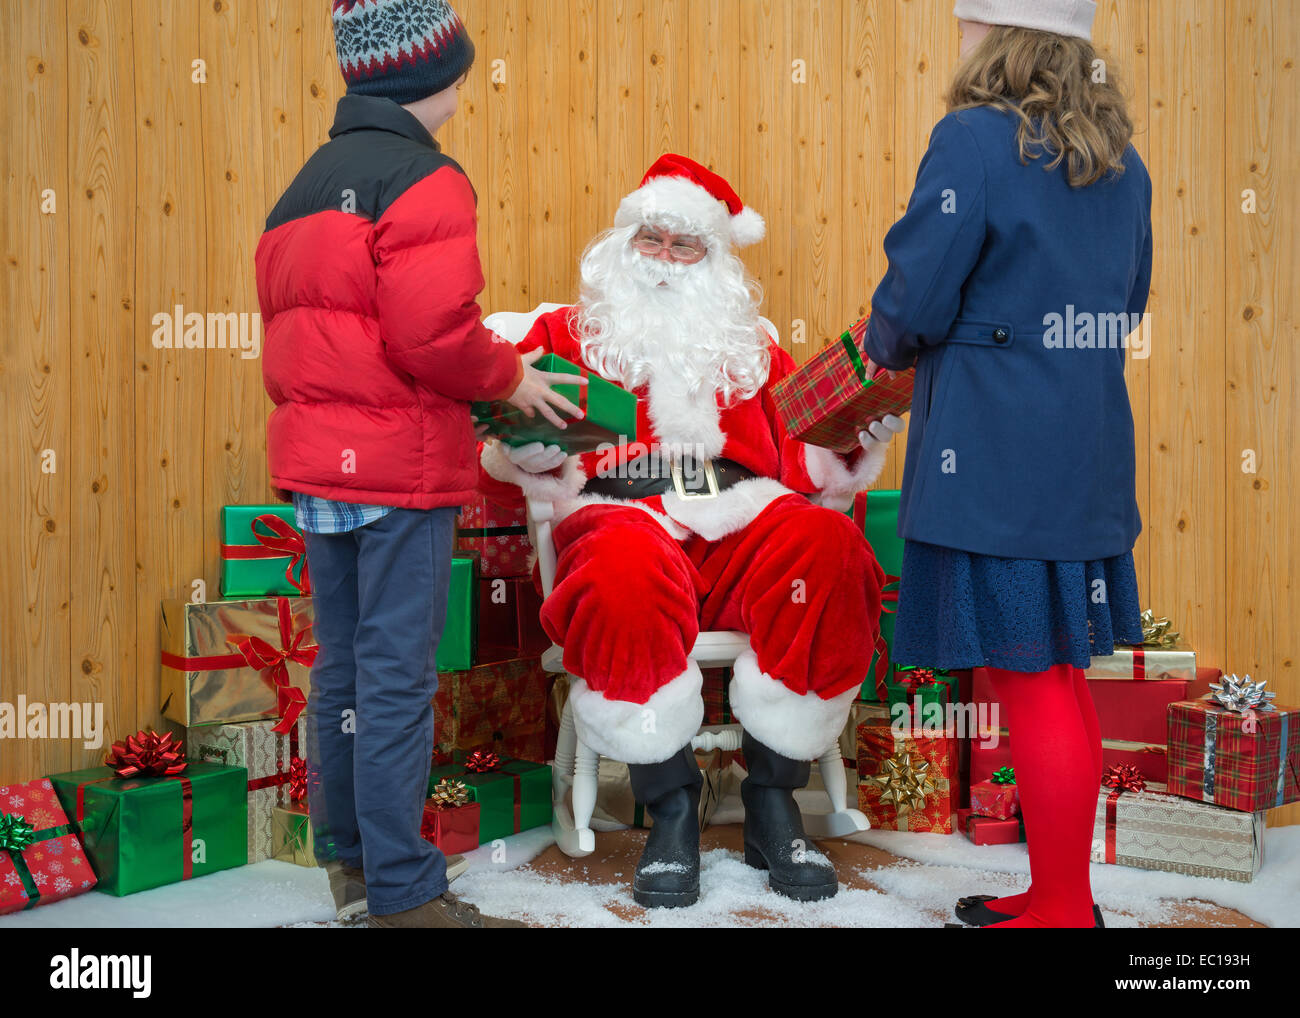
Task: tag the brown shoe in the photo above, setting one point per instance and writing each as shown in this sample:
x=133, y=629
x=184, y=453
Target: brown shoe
x=348, y=885
x=446, y=912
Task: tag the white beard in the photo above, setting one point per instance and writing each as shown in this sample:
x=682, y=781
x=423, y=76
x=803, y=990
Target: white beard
x=689, y=333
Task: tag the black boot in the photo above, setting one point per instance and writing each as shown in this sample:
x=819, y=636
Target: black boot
x=668, y=875
x=774, y=837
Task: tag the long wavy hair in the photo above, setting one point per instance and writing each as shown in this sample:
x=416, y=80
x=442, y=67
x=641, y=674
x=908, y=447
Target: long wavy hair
x=1070, y=107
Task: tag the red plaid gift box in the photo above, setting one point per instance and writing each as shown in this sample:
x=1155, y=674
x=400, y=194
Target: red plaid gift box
x=906, y=782
x=41, y=859
x=499, y=534
x=1245, y=759
x=500, y=700
x=830, y=398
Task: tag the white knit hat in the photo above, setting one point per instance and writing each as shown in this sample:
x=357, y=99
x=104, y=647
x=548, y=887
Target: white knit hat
x=1064, y=17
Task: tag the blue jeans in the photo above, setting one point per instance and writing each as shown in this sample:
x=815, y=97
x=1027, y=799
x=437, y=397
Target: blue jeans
x=380, y=598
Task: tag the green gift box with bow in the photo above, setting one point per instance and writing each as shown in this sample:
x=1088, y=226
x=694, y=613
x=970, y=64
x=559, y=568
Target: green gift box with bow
x=876, y=512
x=460, y=630
x=609, y=414
x=262, y=552
x=921, y=687
x=513, y=796
x=145, y=832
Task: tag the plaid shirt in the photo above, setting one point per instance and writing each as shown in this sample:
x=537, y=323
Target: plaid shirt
x=317, y=515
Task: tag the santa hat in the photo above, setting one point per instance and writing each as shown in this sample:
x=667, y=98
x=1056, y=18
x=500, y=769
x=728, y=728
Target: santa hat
x=679, y=190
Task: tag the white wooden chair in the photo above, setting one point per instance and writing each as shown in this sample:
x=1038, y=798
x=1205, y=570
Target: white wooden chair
x=574, y=770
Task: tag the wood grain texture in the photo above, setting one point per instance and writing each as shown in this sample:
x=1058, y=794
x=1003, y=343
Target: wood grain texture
x=163, y=185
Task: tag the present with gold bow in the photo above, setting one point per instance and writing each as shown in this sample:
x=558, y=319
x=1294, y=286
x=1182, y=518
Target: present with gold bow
x=451, y=818
x=150, y=817
x=513, y=795
x=1162, y=654
x=263, y=553
x=241, y=660
x=906, y=782
x=1140, y=824
x=1235, y=747
x=41, y=858
x=277, y=772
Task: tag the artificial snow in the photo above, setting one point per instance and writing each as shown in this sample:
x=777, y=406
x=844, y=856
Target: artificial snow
x=918, y=892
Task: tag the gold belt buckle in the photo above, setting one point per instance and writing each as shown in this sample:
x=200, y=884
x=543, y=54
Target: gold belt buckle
x=679, y=486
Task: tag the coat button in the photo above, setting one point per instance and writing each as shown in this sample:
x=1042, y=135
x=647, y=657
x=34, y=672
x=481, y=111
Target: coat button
x=1000, y=335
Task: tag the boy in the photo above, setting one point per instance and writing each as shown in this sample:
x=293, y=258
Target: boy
x=367, y=276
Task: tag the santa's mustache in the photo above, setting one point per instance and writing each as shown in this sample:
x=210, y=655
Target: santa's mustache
x=656, y=273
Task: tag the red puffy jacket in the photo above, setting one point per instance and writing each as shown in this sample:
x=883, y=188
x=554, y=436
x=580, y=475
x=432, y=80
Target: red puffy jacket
x=367, y=276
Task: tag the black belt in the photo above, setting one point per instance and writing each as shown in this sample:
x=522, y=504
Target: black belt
x=650, y=475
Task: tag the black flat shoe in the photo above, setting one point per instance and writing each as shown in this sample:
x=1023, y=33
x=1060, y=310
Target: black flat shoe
x=973, y=912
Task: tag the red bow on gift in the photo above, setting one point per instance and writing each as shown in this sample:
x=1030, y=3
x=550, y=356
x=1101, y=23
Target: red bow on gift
x=285, y=540
x=297, y=779
x=914, y=678
x=482, y=761
x=147, y=755
x=1125, y=778
x=290, y=701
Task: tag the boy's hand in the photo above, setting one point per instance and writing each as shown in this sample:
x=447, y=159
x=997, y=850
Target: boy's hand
x=534, y=392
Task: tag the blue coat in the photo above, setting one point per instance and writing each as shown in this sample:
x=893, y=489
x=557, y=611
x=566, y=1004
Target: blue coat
x=1004, y=288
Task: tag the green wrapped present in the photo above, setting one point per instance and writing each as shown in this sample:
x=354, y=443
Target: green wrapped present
x=262, y=552
x=513, y=795
x=143, y=832
x=876, y=512
x=609, y=414
x=920, y=688
x=460, y=630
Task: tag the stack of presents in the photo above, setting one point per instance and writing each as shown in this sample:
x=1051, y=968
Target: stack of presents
x=1192, y=760
x=223, y=780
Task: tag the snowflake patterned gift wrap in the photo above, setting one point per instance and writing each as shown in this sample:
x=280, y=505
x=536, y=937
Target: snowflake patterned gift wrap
x=41, y=860
x=1139, y=824
x=499, y=534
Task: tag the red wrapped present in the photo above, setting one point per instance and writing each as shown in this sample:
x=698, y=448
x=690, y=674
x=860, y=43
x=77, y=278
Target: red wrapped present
x=451, y=819
x=509, y=618
x=830, y=398
x=490, y=702
x=499, y=534
x=963, y=818
x=906, y=782
x=1235, y=748
x=997, y=796
x=992, y=831
x=41, y=858
x=717, y=696
x=1150, y=758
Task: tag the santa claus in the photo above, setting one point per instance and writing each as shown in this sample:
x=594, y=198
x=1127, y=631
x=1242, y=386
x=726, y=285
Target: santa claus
x=712, y=518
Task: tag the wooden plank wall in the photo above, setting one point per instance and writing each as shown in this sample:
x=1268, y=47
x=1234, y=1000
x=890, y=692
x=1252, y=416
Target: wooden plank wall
x=118, y=455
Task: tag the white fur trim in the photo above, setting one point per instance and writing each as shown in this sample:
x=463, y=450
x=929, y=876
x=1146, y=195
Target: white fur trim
x=682, y=419
x=747, y=227
x=799, y=726
x=543, y=487
x=675, y=199
x=733, y=509
x=617, y=729
x=565, y=509
x=836, y=482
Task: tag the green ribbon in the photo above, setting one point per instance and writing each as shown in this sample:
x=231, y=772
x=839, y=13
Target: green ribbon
x=855, y=357
x=16, y=836
x=1004, y=776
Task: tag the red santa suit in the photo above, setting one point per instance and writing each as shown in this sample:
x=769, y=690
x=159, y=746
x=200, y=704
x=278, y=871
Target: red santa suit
x=637, y=580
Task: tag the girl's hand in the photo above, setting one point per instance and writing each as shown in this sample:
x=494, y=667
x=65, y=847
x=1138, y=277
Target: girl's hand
x=873, y=368
x=534, y=393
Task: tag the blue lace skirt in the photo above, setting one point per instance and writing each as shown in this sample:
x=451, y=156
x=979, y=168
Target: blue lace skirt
x=957, y=609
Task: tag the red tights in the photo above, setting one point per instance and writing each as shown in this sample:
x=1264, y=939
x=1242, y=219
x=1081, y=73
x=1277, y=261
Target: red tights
x=1056, y=751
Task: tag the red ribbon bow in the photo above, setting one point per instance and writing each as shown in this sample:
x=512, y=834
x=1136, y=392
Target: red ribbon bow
x=1125, y=778
x=270, y=661
x=481, y=761
x=888, y=606
x=147, y=755
x=914, y=678
x=297, y=779
x=283, y=539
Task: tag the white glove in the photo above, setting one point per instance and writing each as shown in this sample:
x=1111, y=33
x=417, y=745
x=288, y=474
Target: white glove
x=879, y=433
x=536, y=458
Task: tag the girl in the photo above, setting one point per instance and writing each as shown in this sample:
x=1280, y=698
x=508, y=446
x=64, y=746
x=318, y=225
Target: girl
x=1020, y=267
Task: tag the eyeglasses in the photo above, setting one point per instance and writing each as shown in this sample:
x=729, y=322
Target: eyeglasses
x=680, y=250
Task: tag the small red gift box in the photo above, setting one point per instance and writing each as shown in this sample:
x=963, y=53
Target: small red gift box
x=509, y=618
x=992, y=831
x=991, y=799
x=498, y=533
x=41, y=859
x=830, y=398
x=1245, y=760
x=454, y=829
